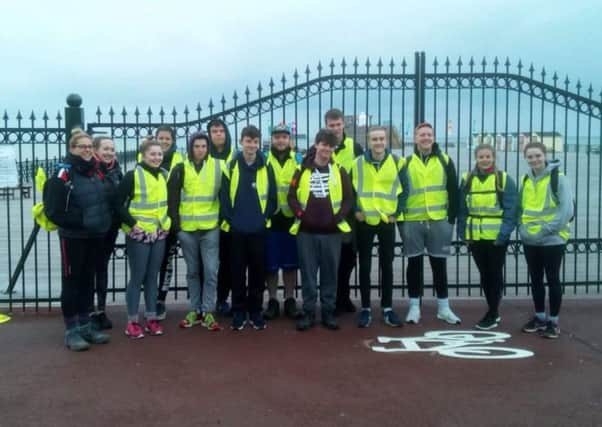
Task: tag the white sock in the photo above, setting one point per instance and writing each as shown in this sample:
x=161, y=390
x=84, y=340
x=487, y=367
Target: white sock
x=442, y=304
x=414, y=302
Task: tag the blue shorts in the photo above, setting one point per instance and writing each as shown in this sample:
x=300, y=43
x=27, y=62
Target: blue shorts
x=281, y=251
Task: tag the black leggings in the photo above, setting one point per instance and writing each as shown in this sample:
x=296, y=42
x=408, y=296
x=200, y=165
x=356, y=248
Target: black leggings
x=78, y=265
x=167, y=266
x=386, y=245
x=102, y=269
x=415, y=276
x=490, y=261
x=546, y=259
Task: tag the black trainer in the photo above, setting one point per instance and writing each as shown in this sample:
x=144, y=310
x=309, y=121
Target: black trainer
x=551, y=331
x=290, y=309
x=534, y=325
x=489, y=321
x=329, y=321
x=306, y=322
x=273, y=310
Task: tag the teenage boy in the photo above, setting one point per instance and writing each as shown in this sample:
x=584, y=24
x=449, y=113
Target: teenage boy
x=248, y=199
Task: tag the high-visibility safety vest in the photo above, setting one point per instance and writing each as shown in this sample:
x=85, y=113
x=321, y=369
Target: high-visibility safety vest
x=377, y=190
x=37, y=210
x=335, y=192
x=149, y=204
x=261, y=186
x=199, y=197
x=484, y=210
x=427, y=188
x=175, y=159
x=284, y=175
x=346, y=155
x=539, y=206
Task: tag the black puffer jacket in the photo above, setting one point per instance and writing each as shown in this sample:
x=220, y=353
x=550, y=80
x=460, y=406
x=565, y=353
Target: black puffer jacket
x=77, y=199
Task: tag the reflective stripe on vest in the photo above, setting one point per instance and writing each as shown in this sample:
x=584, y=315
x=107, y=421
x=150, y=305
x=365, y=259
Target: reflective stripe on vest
x=427, y=189
x=377, y=190
x=335, y=193
x=344, y=158
x=539, y=206
x=149, y=204
x=199, y=201
x=261, y=188
x=484, y=211
x=284, y=175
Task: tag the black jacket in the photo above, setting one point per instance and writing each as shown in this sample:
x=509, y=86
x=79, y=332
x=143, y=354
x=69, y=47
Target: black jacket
x=77, y=198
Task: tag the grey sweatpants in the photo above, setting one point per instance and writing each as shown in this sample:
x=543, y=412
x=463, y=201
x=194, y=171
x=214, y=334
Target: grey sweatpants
x=319, y=252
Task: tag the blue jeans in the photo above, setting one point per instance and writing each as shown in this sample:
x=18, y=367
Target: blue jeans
x=145, y=261
x=196, y=246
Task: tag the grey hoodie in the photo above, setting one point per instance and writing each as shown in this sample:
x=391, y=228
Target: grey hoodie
x=549, y=236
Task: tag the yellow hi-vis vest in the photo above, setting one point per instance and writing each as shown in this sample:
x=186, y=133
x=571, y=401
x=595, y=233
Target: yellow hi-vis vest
x=484, y=211
x=149, y=204
x=284, y=175
x=539, y=206
x=175, y=159
x=199, y=197
x=261, y=186
x=335, y=192
x=37, y=210
x=427, y=190
x=346, y=155
x=377, y=190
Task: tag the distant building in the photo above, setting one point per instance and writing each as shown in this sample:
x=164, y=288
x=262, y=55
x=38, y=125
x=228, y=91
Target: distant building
x=515, y=141
x=355, y=127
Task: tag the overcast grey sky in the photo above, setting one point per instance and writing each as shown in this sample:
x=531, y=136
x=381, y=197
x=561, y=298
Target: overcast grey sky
x=172, y=53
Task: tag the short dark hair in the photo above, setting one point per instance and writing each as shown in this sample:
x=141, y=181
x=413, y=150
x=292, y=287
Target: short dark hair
x=165, y=128
x=539, y=145
x=423, y=125
x=326, y=136
x=333, y=114
x=250, y=132
x=375, y=128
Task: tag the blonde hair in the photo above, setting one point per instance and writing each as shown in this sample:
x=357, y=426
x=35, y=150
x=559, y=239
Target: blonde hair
x=76, y=135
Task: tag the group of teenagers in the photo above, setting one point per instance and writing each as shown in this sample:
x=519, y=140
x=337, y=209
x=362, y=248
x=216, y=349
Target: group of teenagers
x=241, y=217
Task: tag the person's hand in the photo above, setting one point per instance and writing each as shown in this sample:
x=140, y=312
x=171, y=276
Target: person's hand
x=392, y=219
x=360, y=216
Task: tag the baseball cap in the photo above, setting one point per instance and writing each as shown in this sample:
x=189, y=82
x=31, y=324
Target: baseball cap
x=281, y=129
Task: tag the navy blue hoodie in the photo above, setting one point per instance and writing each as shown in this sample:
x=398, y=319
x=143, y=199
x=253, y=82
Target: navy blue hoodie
x=245, y=215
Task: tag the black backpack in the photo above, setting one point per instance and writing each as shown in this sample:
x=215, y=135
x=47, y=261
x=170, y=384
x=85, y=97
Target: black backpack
x=499, y=190
x=554, y=186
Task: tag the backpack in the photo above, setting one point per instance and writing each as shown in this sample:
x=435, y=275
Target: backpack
x=499, y=179
x=554, y=186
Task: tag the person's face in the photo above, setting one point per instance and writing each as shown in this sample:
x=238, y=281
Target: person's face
x=83, y=148
x=249, y=145
x=164, y=138
x=337, y=126
x=281, y=141
x=199, y=149
x=106, y=151
x=378, y=141
x=485, y=159
x=536, y=158
x=323, y=151
x=153, y=156
x=218, y=135
x=424, y=139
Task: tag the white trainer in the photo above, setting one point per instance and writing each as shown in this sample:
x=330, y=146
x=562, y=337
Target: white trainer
x=413, y=314
x=448, y=316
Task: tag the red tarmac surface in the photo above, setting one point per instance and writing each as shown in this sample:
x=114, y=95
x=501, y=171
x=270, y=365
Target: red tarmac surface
x=281, y=377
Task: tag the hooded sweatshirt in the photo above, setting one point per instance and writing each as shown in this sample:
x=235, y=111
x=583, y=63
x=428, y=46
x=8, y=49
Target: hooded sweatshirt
x=549, y=236
x=227, y=146
x=244, y=213
x=176, y=182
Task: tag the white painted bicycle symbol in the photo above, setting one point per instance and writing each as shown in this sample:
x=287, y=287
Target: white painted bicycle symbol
x=460, y=344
